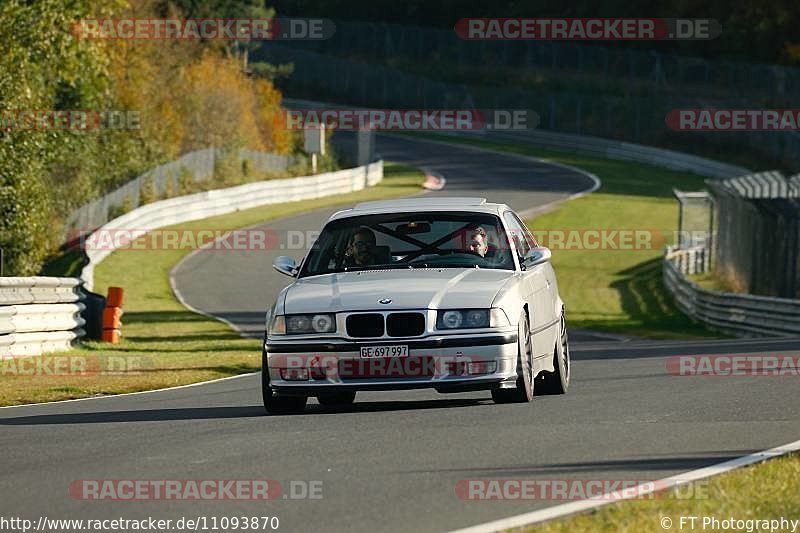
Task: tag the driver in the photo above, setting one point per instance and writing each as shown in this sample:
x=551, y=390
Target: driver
x=360, y=250
x=477, y=242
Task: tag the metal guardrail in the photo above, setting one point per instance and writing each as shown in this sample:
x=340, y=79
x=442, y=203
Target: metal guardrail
x=221, y=201
x=742, y=315
x=39, y=314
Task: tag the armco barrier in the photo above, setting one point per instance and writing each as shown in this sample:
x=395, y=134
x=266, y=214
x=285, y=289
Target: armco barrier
x=39, y=314
x=742, y=315
x=218, y=202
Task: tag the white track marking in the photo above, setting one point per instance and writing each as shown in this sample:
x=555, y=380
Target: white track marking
x=559, y=511
x=112, y=396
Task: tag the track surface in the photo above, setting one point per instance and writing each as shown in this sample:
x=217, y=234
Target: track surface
x=393, y=460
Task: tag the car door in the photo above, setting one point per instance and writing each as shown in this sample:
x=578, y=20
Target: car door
x=550, y=307
x=535, y=286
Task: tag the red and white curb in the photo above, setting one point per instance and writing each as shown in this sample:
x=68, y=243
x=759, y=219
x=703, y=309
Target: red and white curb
x=433, y=181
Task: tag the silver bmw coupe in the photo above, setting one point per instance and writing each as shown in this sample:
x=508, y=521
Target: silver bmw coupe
x=447, y=293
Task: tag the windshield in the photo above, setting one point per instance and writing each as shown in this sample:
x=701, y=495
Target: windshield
x=410, y=240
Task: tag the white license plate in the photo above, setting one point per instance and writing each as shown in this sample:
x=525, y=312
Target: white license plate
x=398, y=350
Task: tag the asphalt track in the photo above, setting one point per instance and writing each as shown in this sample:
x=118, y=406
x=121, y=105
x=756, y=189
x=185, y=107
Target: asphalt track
x=393, y=460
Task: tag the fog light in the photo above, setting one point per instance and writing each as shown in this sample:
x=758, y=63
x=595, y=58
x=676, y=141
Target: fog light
x=294, y=374
x=484, y=367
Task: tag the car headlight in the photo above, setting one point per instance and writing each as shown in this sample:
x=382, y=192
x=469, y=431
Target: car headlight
x=471, y=318
x=323, y=323
x=298, y=324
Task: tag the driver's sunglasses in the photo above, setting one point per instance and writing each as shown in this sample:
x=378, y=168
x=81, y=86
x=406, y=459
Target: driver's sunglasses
x=361, y=244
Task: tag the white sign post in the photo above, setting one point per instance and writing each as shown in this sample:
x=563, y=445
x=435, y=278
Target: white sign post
x=314, y=137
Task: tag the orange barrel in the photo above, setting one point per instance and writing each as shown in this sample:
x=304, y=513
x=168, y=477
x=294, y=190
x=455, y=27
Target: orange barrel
x=112, y=315
x=115, y=297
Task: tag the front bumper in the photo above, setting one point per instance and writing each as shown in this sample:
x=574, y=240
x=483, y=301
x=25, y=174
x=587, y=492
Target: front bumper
x=447, y=363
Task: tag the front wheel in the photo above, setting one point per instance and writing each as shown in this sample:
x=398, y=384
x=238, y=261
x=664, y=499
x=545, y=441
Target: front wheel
x=557, y=382
x=523, y=391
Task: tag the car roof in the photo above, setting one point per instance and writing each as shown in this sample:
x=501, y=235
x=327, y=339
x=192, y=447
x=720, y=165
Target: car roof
x=423, y=204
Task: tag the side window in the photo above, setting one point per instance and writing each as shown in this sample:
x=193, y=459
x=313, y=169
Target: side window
x=526, y=232
x=518, y=234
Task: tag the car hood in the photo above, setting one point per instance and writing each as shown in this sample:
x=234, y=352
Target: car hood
x=445, y=288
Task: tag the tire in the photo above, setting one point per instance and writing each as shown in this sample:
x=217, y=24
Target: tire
x=523, y=391
x=558, y=382
x=337, y=399
x=278, y=405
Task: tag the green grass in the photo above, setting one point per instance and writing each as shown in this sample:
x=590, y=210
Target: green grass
x=166, y=344
x=615, y=291
x=768, y=490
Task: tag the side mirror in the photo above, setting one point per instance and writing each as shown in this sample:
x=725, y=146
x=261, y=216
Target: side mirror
x=536, y=256
x=285, y=265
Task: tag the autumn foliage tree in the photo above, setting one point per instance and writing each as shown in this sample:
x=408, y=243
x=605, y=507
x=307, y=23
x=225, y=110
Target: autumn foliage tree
x=187, y=94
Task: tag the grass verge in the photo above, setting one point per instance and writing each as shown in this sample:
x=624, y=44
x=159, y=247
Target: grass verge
x=164, y=344
x=765, y=491
x=613, y=290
